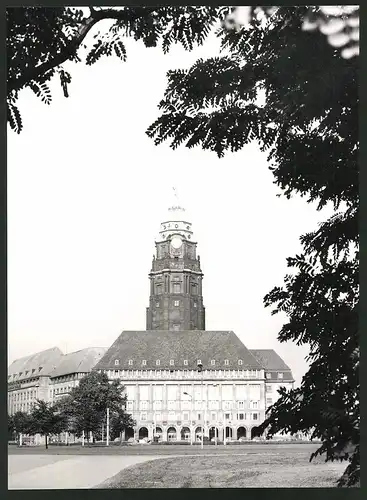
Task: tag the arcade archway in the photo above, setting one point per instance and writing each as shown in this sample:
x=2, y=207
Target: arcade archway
x=229, y=432
x=198, y=434
x=185, y=434
x=171, y=434
x=241, y=432
x=143, y=433
x=213, y=432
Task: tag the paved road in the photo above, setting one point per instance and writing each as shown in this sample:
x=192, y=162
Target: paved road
x=32, y=472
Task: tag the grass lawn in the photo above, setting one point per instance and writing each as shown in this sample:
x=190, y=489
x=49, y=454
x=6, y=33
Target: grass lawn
x=260, y=470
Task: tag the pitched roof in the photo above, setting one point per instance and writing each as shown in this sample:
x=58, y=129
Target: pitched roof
x=190, y=345
x=272, y=363
x=36, y=365
x=79, y=361
x=269, y=359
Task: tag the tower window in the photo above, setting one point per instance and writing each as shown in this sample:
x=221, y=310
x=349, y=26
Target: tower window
x=171, y=362
x=117, y=362
x=158, y=362
x=213, y=362
x=176, y=303
x=240, y=362
x=186, y=362
x=130, y=362
x=144, y=362
x=226, y=362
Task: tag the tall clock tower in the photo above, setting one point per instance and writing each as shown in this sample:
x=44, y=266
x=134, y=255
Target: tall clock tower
x=176, y=301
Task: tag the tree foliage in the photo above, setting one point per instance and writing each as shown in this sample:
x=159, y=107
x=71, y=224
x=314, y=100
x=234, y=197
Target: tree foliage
x=45, y=420
x=306, y=120
x=86, y=406
x=39, y=40
x=19, y=423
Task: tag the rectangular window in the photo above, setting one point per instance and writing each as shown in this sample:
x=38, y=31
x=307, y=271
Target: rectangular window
x=158, y=417
x=159, y=289
x=280, y=375
x=186, y=362
x=227, y=416
x=185, y=416
x=171, y=405
x=269, y=401
x=269, y=388
x=227, y=405
x=214, y=416
x=226, y=362
x=240, y=416
x=130, y=362
x=171, y=362
x=176, y=303
x=255, y=405
x=144, y=362
x=241, y=405
x=212, y=362
x=143, y=416
x=157, y=304
x=195, y=304
x=268, y=375
x=254, y=416
x=176, y=327
x=171, y=416
x=194, y=289
x=199, y=416
x=157, y=405
x=176, y=288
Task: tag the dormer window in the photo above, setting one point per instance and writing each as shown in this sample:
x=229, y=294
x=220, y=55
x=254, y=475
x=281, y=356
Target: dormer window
x=117, y=362
x=144, y=362
x=280, y=375
x=130, y=362
x=171, y=362
x=268, y=375
x=226, y=362
x=240, y=362
x=158, y=362
x=199, y=362
x=186, y=362
x=212, y=362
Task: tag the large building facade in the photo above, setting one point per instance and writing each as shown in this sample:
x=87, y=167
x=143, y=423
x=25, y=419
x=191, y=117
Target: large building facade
x=48, y=375
x=182, y=381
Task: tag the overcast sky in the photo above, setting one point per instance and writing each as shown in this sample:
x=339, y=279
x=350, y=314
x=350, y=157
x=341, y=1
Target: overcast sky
x=87, y=190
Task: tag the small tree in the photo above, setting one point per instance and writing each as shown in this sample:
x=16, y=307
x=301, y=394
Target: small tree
x=46, y=420
x=119, y=422
x=87, y=404
x=19, y=423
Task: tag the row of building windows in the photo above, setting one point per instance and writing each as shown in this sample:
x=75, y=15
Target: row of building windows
x=20, y=396
x=176, y=303
x=186, y=362
x=27, y=372
x=198, y=404
x=228, y=417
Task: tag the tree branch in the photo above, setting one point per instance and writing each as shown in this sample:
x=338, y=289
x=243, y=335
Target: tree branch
x=68, y=51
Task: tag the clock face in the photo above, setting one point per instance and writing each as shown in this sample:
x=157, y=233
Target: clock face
x=176, y=242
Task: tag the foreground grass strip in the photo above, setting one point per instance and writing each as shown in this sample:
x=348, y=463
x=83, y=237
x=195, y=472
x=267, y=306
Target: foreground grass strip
x=257, y=471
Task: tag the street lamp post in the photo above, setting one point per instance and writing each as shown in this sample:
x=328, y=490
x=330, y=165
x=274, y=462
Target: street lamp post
x=187, y=394
x=108, y=428
x=200, y=370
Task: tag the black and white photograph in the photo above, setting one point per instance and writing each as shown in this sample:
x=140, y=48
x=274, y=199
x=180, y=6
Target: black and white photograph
x=182, y=247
